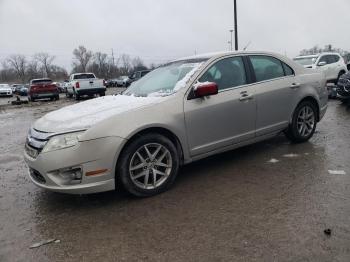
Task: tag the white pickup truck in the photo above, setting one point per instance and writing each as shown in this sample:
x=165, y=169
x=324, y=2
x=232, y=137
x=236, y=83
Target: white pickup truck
x=85, y=84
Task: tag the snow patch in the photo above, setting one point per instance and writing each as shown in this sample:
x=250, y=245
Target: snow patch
x=336, y=172
x=273, y=161
x=182, y=83
x=85, y=114
x=290, y=155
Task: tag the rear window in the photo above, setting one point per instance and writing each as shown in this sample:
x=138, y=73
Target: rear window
x=41, y=81
x=84, y=76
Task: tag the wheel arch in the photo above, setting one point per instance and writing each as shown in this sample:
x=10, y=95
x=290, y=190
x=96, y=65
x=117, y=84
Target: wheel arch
x=156, y=130
x=312, y=100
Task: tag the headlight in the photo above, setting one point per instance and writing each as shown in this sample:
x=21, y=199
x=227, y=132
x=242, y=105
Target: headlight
x=62, y=141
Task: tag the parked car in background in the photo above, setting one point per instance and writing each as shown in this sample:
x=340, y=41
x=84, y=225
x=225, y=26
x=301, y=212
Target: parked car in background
x=24, y=90
x=343, y=88
x=5, y=90
x=15, y=87
x=136, y=76
x=85, y=84
x=42, y=88
x=332, y=64
x=110, y=83
x=347, y=60
x=121, y=81
x=181, y=112
x=60, y=87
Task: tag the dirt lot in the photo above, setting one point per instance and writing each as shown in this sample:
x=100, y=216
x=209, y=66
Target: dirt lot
x=236, y=206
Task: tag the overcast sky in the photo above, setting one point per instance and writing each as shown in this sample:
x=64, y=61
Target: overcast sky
x=160, y=30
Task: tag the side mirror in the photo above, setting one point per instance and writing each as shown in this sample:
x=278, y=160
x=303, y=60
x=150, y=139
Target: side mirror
x=322, y=63
x=205, y=89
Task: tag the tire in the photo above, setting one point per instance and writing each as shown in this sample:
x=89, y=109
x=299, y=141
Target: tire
x=76, y=96
x=145, y=180
x=31, y=99
x=302, y=129
x=58, y=97
x=339, y=75
x=102, y=93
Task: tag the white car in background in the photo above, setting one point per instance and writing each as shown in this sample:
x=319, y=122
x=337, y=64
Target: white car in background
x=332, y=64
x=5, y=90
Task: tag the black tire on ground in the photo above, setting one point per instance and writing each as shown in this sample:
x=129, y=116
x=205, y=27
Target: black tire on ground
x=345, y=100
x=292, y=133
x=76, y=96
x=123, y=174
x=102, y=93
x=32, y=99
x=58, y=97
x=339, y=75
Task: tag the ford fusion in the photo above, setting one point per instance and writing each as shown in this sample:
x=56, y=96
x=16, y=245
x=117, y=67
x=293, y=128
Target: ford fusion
x=181, y=112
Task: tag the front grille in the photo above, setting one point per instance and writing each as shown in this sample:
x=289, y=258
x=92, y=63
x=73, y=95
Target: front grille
x=37, y=176
x=37, y=139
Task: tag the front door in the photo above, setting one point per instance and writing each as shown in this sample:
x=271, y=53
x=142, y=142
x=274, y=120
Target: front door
x=224, y=119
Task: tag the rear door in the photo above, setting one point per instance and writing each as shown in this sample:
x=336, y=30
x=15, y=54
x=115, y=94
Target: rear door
x=224, y=119
x=275, y=90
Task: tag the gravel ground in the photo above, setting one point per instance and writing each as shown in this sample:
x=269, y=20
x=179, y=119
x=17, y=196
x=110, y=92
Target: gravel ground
x=236, y=206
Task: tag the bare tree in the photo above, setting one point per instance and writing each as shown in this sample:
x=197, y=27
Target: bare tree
x=125, y=64
x=82, y=58
x=33, y=70
x=46, y=62
x=19, y=64
x=138, y=64
x=102, y=63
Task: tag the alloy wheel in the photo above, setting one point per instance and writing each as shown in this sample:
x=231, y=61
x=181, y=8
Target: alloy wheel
x=306, y=121
x=150, y=166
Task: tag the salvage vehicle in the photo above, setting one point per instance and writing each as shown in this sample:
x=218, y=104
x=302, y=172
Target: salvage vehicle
x=85, y=84
x=5, y=90
x=42, y=88
x=343, y=88
x=181, y=112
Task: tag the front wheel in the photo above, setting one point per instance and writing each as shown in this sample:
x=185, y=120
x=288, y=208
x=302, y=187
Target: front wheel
x=303, y=124
x=148, y=165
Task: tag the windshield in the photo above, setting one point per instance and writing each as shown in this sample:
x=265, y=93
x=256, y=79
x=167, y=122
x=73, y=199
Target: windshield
x=3, y=86
x=305, y=60
x=84, y=76
x=165, y=80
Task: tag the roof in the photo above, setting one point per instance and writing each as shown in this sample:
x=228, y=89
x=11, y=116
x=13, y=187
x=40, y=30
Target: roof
x=224, y=53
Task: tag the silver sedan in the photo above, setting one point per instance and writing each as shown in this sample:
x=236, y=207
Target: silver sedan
x=182, y=111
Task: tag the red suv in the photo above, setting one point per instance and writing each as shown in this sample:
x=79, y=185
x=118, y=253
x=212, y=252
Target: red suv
x=42, y=88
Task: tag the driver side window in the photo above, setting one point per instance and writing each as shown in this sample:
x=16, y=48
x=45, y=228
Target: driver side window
x=226, y=73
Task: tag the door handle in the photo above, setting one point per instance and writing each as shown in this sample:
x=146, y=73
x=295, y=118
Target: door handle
x=245, y=97
x=295, y=86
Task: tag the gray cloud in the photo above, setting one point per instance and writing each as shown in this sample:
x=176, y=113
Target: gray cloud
x=160, y=30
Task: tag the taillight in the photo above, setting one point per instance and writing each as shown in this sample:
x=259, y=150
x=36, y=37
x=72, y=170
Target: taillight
x=104, y=82
x=77, y=85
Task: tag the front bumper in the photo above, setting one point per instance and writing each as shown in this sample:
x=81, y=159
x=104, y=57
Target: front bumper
x=66, y=170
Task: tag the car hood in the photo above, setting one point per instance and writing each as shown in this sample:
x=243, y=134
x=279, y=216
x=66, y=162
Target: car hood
x=86, y=114
x=5, y=88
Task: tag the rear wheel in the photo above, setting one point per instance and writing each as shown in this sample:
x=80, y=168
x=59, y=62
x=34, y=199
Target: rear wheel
x=102, y=93
x=303, y=123
x=148, y=165
x=76, y=95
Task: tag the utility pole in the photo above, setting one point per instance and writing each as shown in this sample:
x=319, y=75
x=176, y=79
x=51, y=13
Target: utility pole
x=236, y=27
x=113, y=57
